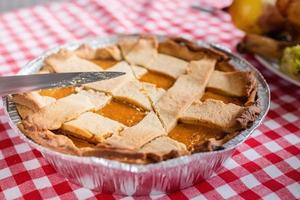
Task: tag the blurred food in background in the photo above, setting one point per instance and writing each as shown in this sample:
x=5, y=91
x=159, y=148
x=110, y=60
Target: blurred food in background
x=272, y=30
x=290, y=61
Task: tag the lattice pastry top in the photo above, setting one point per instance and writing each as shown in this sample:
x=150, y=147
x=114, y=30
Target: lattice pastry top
x=175, y=99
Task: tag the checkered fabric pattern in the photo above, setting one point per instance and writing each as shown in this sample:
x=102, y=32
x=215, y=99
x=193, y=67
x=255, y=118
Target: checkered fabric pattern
x=266, y=166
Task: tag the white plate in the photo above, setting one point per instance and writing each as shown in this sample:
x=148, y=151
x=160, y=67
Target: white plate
x=274, y=67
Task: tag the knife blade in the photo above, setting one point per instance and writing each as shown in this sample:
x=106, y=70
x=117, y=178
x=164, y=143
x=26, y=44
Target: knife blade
x=25, y=83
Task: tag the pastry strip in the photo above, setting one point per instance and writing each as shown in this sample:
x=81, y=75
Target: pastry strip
x=141, y=52
x=126, y=44
x=55, y=114
x=162, y=147
x=131, y=92
x=24, y=111
x=67, y=61
x=111, y=85
x=106, y=53
x=168, y=65
x=152, y=92
x=187, y=50
x=125, y=87
x=136, y=136
x=138, y=71
x=98, y=99
x=93, y=127
x=185, y=90
x=32, y=100
x=213, y=114
x=237, y=84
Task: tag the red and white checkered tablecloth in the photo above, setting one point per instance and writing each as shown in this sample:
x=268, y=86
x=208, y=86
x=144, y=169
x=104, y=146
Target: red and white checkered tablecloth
x=266, y=166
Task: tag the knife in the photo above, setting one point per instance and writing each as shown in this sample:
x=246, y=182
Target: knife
x=25, y=83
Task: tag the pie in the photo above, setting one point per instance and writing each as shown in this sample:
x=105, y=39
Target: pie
x=175, y=99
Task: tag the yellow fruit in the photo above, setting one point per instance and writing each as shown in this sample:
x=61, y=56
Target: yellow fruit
x=245, y=14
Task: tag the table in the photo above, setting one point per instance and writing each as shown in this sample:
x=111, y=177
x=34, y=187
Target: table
x=266, y=166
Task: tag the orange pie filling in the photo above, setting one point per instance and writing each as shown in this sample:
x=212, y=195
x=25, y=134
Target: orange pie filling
x=225, y=99
x=190, y=134
x=104, y=64
x=122, y=112
x=158, y=79
x=58, y=93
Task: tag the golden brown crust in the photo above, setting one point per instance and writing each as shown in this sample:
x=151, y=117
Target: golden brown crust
x=153, y=157
x=248, y=116
x=129, y=156
x=207, y=145
x=160, y=148
x=187, y=50
x=26, y=99
x=63, y=144
x=113, y=153
x=251, y=83
x=251, y=88
x=252, y=98
x=225, y=66
x=24, y=111
x=32, y=100
x=50, y=140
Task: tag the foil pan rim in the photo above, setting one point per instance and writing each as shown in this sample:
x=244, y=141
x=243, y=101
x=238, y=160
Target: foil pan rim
x=263, y=93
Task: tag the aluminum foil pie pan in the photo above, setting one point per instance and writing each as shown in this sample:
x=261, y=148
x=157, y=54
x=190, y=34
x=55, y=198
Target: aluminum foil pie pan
x=109, y=176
